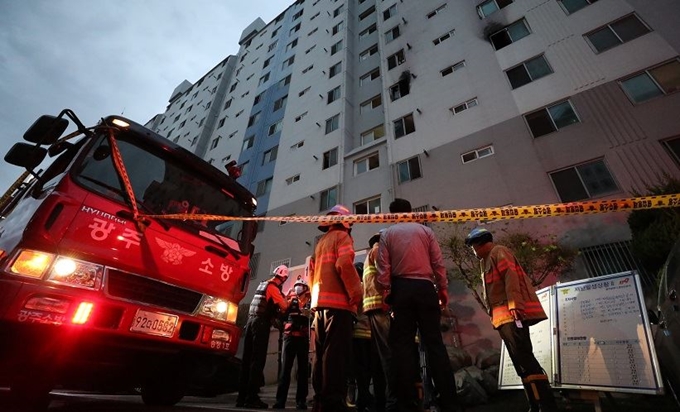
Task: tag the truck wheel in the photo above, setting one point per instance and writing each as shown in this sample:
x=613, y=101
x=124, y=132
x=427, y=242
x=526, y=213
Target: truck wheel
x=155, y=394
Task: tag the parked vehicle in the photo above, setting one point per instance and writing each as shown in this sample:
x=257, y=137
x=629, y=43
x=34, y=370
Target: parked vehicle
x=667, y=333
x=95, y=296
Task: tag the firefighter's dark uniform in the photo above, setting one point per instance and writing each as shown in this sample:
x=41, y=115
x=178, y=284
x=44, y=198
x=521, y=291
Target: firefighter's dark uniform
x=295, y=346
x=267, y=301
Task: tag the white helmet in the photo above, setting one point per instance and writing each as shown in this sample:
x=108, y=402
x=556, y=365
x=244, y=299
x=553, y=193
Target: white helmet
x=281, y=271
x=300, y=287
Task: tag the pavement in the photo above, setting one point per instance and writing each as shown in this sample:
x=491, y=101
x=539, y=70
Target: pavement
x=507, y=401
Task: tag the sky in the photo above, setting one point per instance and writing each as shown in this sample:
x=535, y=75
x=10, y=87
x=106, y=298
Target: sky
x=100, y=58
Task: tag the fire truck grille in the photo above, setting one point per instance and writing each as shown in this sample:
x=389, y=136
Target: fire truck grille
x=151, y=292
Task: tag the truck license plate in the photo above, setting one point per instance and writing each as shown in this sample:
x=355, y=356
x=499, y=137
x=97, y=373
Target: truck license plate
x=152, y=323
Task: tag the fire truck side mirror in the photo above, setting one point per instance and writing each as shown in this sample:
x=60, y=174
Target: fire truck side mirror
x=46, y=130
x=26, y=155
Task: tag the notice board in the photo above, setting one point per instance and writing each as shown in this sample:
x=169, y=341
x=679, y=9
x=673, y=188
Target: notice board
x=603, y=338
x=597, y=337
x=541, y=340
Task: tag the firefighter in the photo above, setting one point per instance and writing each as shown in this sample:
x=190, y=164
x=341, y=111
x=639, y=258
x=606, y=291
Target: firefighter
x=264, y=308
x=513, y=306
x=336, y=291
x=295, y=346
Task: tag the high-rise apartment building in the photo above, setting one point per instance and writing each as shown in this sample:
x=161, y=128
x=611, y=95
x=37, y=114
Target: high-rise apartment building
x=450, y=104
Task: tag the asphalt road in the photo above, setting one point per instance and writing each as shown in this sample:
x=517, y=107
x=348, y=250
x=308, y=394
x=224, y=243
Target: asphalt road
x=506, y=401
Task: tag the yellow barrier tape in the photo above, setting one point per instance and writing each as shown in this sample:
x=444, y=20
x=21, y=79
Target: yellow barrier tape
x=466, y=215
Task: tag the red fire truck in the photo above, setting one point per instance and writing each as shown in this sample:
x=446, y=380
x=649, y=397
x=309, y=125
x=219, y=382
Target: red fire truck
x=95, y=292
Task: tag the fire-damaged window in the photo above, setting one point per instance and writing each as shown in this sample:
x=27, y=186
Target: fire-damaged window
x=402, y=87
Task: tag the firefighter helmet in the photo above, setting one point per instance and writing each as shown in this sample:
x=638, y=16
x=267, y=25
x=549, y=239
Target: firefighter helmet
x=478, y=235
x=281, y=271
x=336, y=210
x=300, y=287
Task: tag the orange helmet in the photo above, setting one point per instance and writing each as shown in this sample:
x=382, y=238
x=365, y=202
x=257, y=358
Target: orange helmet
x=336, y=210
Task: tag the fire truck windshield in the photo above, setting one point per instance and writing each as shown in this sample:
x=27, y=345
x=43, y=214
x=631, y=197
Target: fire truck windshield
x=162, y=186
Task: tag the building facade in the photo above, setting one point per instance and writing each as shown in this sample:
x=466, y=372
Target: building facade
x=450, y=104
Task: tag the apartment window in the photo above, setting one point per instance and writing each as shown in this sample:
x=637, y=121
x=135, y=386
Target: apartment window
x=232, y=134
x=617, y=32
x=280, y=103
x=298, y=118
x=248, y=142
x=571, y=6
x=189, y=109
x=396, y=59
x=288, y=62
x=404, y=126
x=369, y=77
x=263, y=187
x=298, y=145
x=245, y=94
x=337, y=11
x=657, y=81
x=337, y=28
x=370, y=104
x=275, y=32
x=375, y=133
x=221, y=122
x=392, y=34
x=491, y=6
x=336, y=47
x=368, y=52
x=314, y=16
x=207, y=105
x=253, y=119
x=292, y=45
x=266, y=62
x=240, y=112
x=272, y=46
x=295, y=29
x=464, y=106
x=477, y=154
x=276, y=127
x=368, y=31
x=453, y=68
x=443, y=37
x=335, y=69
x=297, y=15
x=227, y=104
x=409, y=169
x=551, y=118
x=263, y=79
x=509, y=34
x=330, y=158
x=284, y=82
x=367, y=163
x=292, y=180
x=390, y=12
x=176, y=119
x=302, y=92
x=258, y=98
x=673, y=148
x=367, y=13
x=328, y=198
x=368, y=206
x=583, y=181
x=528, y=71
x=436, y=11
x=399, y=90
x=182, y=124
x=201, y=122
x=215, y=142
x=306, y=69
x=333, y=95
x=314, y=30
x=310, y=49
x=333, y=123
x=270, y=155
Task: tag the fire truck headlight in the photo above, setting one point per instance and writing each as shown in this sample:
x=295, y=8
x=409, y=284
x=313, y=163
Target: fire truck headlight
x=31, y=263
x=219, y=309
x=76, y=273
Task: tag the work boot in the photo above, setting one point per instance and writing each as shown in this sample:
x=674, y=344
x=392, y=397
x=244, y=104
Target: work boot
x=539, y=394
x=256, y=404
x=279, y=405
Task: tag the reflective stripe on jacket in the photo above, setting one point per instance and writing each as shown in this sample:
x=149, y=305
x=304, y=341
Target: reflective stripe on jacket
x=373, y=297
x=334, y=281
x=506, y=286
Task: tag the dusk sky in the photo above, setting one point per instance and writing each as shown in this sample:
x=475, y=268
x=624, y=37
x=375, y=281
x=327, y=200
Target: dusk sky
x=109, y=57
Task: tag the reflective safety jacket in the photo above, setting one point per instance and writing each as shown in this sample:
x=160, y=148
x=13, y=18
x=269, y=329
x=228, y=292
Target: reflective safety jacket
x=297, y=320
x=506, y=286
x=268, y=299
x=373, y=295
x=334, y=282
